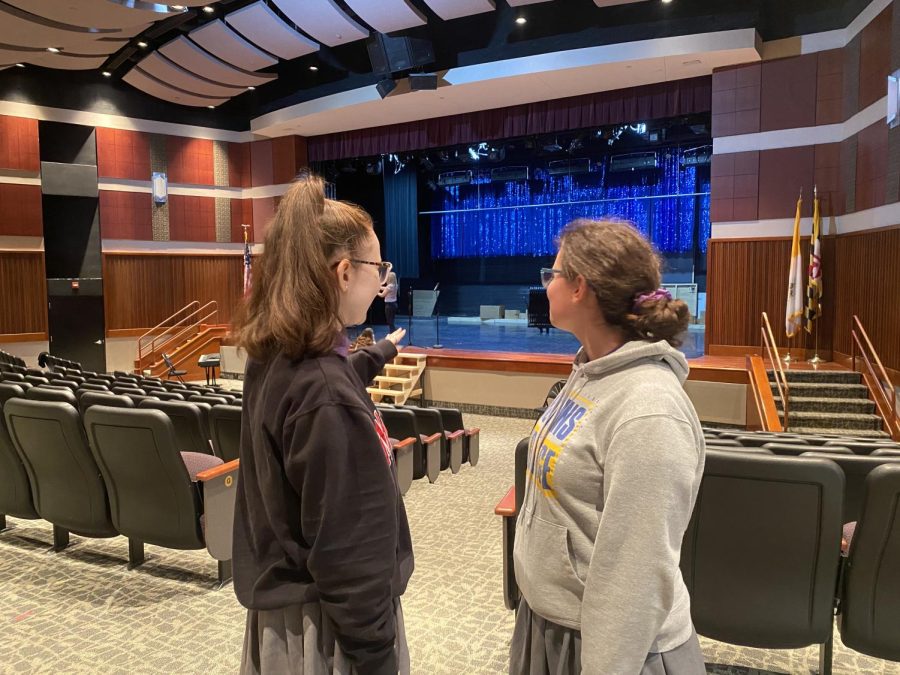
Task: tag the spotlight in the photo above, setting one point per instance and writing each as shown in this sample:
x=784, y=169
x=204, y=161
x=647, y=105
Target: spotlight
x=251, y=88
x=666, y=2
x=106, y=73
x=473, y=154
x=314, y=68
x=55, y=50
x=142, y=44
x=176, y=8
x=385, y=87
x=20, y=65
x=211, y=107
x=208, y=9
x=522, y=20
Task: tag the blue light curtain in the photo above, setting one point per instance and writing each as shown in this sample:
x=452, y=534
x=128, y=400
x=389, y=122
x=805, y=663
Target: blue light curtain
x=482, y=218
x=401, y=221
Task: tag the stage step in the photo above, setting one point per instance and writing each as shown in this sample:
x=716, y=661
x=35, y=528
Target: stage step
x=400, y=366
x=392, y=380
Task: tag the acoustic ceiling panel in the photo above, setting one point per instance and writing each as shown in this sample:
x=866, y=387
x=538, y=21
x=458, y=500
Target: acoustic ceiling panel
x=263, y=27
x=150, y=85
x=100, y=14
x=48, y=60
x=323, y=20
x=610, y=3
x=190, y=57
x=519, y=3
x=219, y=40
x=164, y=70
x=386, y=16
x=454, y=9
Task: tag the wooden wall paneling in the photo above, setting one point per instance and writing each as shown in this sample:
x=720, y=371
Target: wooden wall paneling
x=19, y=144
x=138, y=290
x=23, y=304
x=206, y=278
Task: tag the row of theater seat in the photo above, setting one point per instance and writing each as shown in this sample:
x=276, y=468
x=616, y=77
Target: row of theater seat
x=7, y=359
x=763, y=554
x=435, y=440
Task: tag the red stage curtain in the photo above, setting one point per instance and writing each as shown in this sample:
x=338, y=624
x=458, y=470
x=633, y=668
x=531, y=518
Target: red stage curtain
x=637, y=104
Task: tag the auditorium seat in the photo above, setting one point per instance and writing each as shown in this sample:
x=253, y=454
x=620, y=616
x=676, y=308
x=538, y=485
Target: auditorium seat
x=14, y=377
x=168, y=396
x=761, y=439
x=15, y=490
x=35, y=380
x=869, y=618
x=508, y=509
x=859, y=447
x=746, y=449
x=90, y=398
x=68, y=384
x=403, y=459
x=126, y=390
x=430, y=421
x=723, y=442
x=886, y=452
x=797, y=449
x=65, y=480
x=426, y=450
x=208, y=398
x=856, y=469
x=191, y=431
x=153, y=497
x=225, y=431
x=47, y=393
x=765, y=535
x=453, y=421
x=88, y=386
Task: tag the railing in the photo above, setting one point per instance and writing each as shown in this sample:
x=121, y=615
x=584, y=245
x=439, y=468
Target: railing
x=879, y=382
x=771, y=350
x=175, y=329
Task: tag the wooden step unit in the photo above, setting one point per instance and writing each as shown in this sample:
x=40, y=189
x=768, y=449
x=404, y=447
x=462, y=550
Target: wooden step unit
x=398, y=381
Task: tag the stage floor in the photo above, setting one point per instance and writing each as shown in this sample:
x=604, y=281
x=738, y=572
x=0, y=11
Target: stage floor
x=490, y=337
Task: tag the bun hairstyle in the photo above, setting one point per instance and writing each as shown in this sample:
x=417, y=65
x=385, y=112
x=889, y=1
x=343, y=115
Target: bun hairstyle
x=294, y=301
x=623, y=270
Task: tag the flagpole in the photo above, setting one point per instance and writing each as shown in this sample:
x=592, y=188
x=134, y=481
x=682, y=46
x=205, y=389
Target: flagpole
x=815, y=360
x=787, y=357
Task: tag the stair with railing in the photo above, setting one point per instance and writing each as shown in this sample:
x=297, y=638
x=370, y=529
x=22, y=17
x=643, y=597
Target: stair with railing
x=184, y=336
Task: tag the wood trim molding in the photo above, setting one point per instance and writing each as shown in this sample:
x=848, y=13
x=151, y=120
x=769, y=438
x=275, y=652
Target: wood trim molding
x=23, y=337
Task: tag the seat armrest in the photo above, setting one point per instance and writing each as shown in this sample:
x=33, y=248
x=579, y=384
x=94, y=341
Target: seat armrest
x=429, y=439
x=406, y=444
x=506, y=507
x=453, y=435
x=474, y=431
x=219, y=489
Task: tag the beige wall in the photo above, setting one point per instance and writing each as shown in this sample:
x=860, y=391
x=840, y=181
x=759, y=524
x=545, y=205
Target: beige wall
x=26, y=350
x=120, y=353
x=481, y=387
x=719, y=402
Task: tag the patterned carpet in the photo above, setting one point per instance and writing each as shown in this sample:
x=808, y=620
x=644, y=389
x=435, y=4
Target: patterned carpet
x=82, y=611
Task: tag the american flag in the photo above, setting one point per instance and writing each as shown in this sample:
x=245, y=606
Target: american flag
x=248, y=262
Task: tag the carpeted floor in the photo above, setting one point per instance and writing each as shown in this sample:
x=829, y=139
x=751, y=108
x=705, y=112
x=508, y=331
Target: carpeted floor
x=82, y=611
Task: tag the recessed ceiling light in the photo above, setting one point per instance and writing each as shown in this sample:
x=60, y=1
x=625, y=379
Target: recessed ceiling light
x=20, y=65
x=314, y=68
x=142, y=44
x=251, y=88
x=210, y=107
x=55, y=50
x=521, y=20
x=177, y=8
x=106, y=73
x=666, y=2
x=208, y=9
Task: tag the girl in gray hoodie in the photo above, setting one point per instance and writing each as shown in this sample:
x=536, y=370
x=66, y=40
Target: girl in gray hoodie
x=615, y=465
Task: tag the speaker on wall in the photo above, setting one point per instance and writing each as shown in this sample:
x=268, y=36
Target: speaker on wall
x=422, y=81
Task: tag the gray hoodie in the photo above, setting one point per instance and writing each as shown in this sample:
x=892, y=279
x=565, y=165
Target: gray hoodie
x=614, y=468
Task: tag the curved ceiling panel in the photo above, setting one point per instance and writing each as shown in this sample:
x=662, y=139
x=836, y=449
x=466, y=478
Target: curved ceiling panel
x=323, y=20
x=91, y=13
x=386, y=16
x=261, y=25
x=219, y=40
x=44, y=58
x=150, y=85
x=454, y=9
x=519, y=3
x=15, y=30
x=164, y=70
x=189, y=56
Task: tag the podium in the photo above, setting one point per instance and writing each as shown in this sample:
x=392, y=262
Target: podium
x=424, y=302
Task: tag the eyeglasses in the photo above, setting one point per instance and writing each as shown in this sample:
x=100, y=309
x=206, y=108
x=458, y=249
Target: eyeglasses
x=384, y=267
x=547, y=274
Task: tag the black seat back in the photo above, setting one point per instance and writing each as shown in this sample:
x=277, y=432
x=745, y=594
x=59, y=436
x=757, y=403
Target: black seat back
x=187, y=422
x=15, y=490
x=225, y=429
x=401, y=423
x=152, y=498
x=521, y=470
x=856, y=469
x=65, y=480
x=208, y=398
x=870, y=613
x=90, y=386
x=766, y=534
x=89, y=398
x=797, y=449
x=48, y=393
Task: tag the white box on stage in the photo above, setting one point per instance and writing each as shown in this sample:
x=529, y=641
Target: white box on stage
x=424, y=302
x=491, y=311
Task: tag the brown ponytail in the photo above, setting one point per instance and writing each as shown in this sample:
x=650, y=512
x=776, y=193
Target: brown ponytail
x=620, y=267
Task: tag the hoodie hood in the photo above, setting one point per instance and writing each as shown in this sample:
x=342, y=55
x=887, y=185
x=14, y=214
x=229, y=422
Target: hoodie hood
x=628, y=354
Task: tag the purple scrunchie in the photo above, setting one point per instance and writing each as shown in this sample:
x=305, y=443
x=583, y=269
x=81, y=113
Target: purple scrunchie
x=658, y=294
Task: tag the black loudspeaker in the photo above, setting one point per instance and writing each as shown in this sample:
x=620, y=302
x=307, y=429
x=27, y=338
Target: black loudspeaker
x=385, y=87
x=396, y=54
x=422, y=81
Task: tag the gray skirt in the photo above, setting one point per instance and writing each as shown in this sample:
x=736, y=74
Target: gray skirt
x=541, y=647
x=296, y=641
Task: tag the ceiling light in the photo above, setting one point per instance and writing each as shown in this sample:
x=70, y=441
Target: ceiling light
x=211, y=107
x=208, y=9
x=314, y=68
x=106, y=73
x=521, y=20
x=666, y=2
x=55, y=50
x=251, y=88
x=142, y=44
x=177, y=8
x=20, y=65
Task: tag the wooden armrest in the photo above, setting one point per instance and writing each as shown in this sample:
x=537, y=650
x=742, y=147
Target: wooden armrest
x=404, y=443
x=474, y=431
x=453, y=435
x=506, y=507
x=430, y=439
x=220, y=470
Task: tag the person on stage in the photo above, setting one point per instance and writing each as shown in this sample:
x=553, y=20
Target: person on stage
x=390, y=300
x=322, y=549
x=615, y=465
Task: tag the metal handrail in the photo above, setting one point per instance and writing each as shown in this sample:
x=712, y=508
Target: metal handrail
x=883, y=379
x=148, y=349
x=784, y=389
